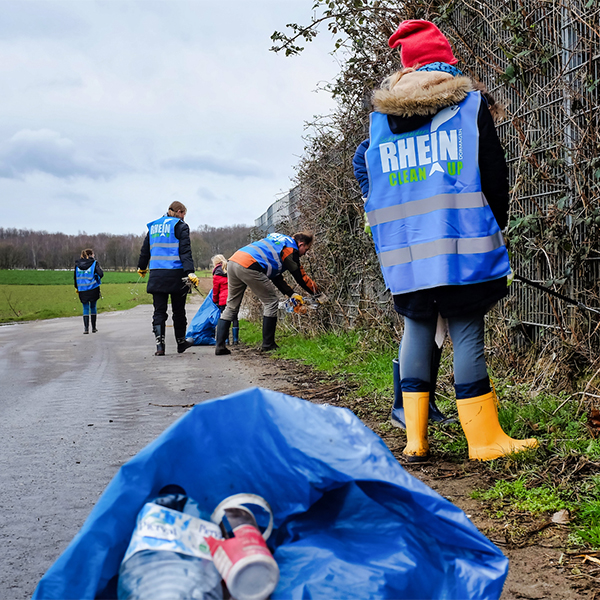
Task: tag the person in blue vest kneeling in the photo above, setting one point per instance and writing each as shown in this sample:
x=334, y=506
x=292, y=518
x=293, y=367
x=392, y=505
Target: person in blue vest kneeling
x=167, y=254
x=260, y=267
x=87, y=283
x=437, y=200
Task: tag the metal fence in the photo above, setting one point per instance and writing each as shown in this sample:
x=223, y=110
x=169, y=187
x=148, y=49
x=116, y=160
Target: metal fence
x=541, y=60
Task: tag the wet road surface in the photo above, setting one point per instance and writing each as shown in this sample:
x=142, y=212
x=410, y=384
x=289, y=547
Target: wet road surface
x=73, y=409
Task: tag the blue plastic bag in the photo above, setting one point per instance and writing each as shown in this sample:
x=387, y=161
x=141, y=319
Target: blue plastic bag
x=202, y=327
x=350, y=522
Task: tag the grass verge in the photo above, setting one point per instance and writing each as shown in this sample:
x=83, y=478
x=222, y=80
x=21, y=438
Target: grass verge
x=346, y=356
x=562, y=474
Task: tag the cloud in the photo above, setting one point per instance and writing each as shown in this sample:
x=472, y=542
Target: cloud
x=35, y=19
x=77, y=198
x=45, y=151
x=238, y=167
x=206, y=194
x=122, y=107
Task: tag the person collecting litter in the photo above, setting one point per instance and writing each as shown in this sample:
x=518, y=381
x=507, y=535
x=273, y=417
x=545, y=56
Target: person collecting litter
x=220, y=288
x=87, y=278
x=167, y=254
x=260, y=267
x=437, y=200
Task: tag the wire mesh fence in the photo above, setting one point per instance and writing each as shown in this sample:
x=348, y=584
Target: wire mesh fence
x=541, y=59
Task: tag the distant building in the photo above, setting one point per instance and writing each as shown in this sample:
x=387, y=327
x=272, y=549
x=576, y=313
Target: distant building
x=283, y=210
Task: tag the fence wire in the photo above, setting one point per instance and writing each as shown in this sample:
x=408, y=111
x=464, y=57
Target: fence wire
x=541, y=60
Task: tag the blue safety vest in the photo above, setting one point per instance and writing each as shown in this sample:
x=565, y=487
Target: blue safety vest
x=164, y=246
x=430, y=221
x=87, y=280
x=267, y=252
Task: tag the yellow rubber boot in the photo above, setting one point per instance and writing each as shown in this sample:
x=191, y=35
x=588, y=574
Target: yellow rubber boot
x=416, y=414
x=479, y=420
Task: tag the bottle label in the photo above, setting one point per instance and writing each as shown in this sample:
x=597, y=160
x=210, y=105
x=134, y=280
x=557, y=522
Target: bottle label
x=161, y=528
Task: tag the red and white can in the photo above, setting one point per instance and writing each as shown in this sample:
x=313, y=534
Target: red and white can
x=244, y=560
x=246, y=564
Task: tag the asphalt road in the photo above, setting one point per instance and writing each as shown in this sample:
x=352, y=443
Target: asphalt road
x=73, y=409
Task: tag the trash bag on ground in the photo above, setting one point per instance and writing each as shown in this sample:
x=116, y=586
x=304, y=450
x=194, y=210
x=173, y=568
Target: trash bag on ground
x=202, y=327
x=349, y=521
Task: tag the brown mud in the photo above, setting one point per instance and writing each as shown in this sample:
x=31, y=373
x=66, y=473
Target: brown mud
x=540, y=564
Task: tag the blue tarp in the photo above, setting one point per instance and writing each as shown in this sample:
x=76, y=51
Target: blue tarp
x=350, y=522
x=202, y=327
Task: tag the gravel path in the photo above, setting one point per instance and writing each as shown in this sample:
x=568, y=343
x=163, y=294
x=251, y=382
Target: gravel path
x=73, y=409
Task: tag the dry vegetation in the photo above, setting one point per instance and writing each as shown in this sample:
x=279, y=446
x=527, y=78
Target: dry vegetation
x=541, y=60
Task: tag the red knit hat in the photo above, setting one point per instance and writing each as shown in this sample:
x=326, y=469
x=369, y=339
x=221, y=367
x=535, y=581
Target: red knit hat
x=422, y=43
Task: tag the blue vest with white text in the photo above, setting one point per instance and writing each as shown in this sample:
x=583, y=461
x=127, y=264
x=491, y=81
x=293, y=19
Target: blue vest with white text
x=431, y=223
x=164, y=246
x=87, y=280
x=267, y=252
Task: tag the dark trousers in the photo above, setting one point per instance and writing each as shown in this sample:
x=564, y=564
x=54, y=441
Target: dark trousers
x=160, y=302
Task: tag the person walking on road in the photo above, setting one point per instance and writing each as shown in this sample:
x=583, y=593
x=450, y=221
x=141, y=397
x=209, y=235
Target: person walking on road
x=437, y=199
x=167, y=254
x=220, y=289
x=260, y=267
x=87, y=278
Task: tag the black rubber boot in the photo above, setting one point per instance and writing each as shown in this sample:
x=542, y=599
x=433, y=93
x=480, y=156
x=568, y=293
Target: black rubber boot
x=159, y=334
x=94, y=330
x=183, y=345
x=236, y=335
x=222, y=335
x=268, y=341
x=86, y=324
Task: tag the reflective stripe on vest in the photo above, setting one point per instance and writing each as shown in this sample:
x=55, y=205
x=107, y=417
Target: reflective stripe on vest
x=87, y=280
x=267, y=252
x=164, y=246
x=430, y=221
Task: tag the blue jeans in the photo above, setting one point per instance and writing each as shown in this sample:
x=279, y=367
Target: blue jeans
x=89, y=308
x=470, y=371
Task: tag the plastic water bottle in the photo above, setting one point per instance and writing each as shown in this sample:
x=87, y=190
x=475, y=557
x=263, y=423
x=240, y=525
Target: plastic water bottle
x=168, y=557
x=292, y=306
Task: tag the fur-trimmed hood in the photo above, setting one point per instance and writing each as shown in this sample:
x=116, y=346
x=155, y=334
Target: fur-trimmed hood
x=410, y=93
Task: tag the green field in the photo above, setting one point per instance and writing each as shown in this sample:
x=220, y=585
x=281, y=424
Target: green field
x=29, y=295
x=32, y=302
x=31, y=277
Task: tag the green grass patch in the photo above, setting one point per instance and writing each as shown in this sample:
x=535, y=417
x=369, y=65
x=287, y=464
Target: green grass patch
x=33, y=302
x=588, y=515
x=556, y=419
x=534, y=499
x=347, y=355
x=588, y=521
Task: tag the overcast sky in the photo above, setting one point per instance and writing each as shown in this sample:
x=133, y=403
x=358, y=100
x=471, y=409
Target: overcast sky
x=110, y=110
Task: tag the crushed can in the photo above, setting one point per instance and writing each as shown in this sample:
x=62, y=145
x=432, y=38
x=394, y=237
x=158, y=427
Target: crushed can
x=243, y=559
